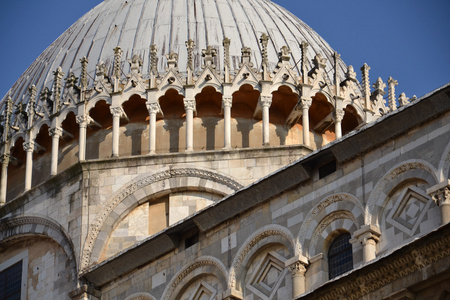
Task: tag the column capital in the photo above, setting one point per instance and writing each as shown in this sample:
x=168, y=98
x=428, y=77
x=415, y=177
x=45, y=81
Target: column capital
x=28, y=146
x=83, y=120
x=55, y=132
x=4, y=158
x=265, y=101
x=338, y=115
x=305, y=103
x=153, y=107
x=366, y=234
x=189, y=104
x=440, y=193
x=117, y=111
x=227, y=101
x=297, y=265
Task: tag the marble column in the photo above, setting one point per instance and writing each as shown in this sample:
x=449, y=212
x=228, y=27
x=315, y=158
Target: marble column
x=265, y=102
x=338, y=115
x=82, y=123
x=55, y=133
x=306, y=104
x=153, y=109
x=226, y=103
x=3, y=184
x=29, y=148
x=189, y=105
x=117, y=112
x=368, y=236
x=297, y=267
x=440, y=194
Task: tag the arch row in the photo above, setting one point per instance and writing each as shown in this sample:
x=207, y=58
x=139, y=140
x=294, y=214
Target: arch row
x=145, y=186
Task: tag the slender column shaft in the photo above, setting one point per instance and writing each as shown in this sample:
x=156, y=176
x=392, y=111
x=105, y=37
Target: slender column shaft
x=298, y=270
x=82, y=148
x=306, y=104
x=117, y=112
x=368, y=236
x=227, y=102
x=266, y=101
x=338, y=116
x=55, y=133
x=189, y=107
x=153, y=109
x=29, y=148
x=369, y=250
x=3, y=183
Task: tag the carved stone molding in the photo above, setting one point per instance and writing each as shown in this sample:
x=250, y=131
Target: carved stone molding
x=266, y=101
x=55, y=132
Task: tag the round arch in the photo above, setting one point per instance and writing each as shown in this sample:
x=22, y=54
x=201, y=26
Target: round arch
x=143, y=187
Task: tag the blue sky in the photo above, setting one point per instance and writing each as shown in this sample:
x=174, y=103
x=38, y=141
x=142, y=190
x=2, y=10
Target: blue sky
x=406, y=39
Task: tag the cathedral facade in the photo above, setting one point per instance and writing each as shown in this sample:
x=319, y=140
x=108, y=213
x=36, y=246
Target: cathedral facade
x=219, y=151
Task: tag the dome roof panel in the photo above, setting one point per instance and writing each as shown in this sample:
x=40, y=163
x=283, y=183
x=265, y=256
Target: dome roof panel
x=136, y=24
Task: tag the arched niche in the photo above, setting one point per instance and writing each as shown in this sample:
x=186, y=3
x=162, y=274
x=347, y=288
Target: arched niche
x=172, y=105
x=42, y=155
x=244, y=102
x=16, y=169
x=98, y=134
x=208, y=103
x=283, y=101
x=136, y=109
x=68, y=145
x=351, y=119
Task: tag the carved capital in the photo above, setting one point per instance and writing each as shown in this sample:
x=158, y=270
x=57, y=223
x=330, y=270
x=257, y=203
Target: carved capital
x=117, y=111
x=55, y=132
x=368, y=234
x=28, y=147
x=338, y=115
x=266, y=101
x=83, y=120
x=189, y=104
x=441, y=195
x=227, y=101
x=153, y=107
x=4, y=159
x=305, y=103
x=297, y=265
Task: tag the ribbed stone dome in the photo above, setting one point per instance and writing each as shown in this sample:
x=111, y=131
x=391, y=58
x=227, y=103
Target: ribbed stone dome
x=134, y=25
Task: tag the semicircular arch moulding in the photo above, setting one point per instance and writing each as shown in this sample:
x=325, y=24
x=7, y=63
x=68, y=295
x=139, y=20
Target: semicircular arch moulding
x=202, y=266
x=410, y=169
x=36, y=225
x=268, y=234
x=143, y=187
x=339, y=202
x=140, y=296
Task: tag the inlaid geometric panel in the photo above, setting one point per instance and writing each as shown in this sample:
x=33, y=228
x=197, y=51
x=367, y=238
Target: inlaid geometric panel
x=268, y=276
x=409, y=210
x=204, y=292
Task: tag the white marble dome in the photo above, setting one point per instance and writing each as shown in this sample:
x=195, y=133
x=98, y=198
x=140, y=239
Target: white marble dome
x=134, y=25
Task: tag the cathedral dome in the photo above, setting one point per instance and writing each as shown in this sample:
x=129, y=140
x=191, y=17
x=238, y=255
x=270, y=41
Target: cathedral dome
x=134, y=25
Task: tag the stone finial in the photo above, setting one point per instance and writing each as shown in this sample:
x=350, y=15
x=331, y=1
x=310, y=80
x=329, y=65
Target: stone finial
x=391, y=93
x=319, y=61
x=57, y=89
x=84, y=77
x=413, y=98
x=246, y=56
x=403, y=100
x=284, y=56
x=351, y=74
x=337, y=80
x=172, y=61
x=117, y=56
x=227, y=63
x=135, y=64
x=379, y=86
x=304, y=46
x=71, y=80
x=264, y=42
x=101, y=79
x=7, y=117
x=153, y=60
x=366, y=85
x=190, y=50
x=209, y=53
x=31, y=106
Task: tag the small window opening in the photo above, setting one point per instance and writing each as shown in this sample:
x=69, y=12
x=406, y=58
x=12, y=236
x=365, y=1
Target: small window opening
x=340, y=256
x=11, y=281
x=327, y=169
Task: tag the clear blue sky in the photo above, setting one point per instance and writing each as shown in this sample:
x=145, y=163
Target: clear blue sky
x=406, y=39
